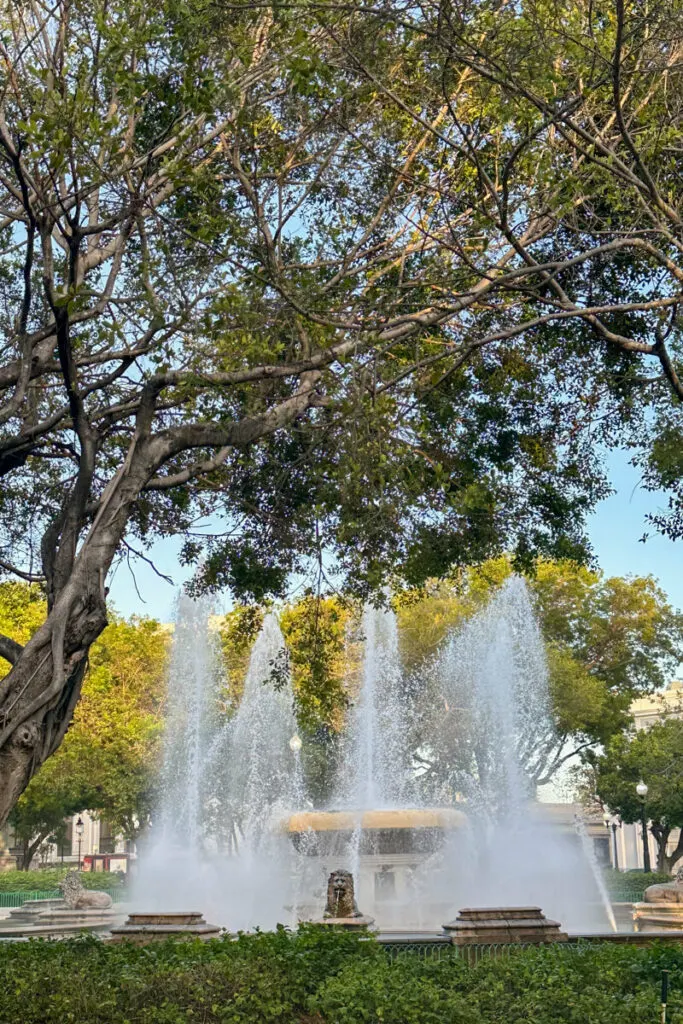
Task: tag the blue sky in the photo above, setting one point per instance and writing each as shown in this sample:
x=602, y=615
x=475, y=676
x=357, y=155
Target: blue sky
x=615, y=529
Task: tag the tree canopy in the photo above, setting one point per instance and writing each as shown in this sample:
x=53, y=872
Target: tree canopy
x=655, y=756
x=374, y=283
x=608, y=640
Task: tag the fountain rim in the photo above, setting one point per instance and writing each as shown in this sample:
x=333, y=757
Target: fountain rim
x=444, y=818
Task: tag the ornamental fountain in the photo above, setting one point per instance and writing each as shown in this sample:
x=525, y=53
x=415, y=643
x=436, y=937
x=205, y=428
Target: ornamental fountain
x=238, y=840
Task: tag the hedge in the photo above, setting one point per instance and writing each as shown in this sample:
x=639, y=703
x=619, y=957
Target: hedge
x=317, y=976
x=48, y=880
x=629, y=886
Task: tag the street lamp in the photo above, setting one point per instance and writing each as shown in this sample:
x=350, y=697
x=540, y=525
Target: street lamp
x=295, y=744
x=80, y=828
x=613, y=823
x=641, y=790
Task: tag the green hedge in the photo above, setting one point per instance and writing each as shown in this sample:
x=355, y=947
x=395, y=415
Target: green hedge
x=47, y=880
x=629, y=886
x=317, y=976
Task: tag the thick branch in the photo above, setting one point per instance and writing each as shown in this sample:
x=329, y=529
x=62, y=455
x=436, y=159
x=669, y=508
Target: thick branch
x=10, y=650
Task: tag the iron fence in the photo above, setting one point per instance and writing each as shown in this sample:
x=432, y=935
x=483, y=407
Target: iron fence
x=435, y=947
x=15, y=899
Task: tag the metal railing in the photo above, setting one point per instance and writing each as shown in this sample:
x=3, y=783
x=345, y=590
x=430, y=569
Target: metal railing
x=437, y=947
x=15, y=899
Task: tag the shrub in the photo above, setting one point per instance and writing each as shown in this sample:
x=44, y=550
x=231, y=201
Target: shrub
x=629, y=886
x=317, y=976
x=48, y=879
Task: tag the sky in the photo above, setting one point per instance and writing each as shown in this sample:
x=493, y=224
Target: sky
x=615, y=529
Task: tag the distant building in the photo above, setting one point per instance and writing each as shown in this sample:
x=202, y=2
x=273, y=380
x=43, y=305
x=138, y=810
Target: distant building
x=100, y=849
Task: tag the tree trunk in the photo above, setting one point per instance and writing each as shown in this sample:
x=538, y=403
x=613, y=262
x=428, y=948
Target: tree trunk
x=673, y=858
x=28, y=851
x=661, y=835
x=38, y=696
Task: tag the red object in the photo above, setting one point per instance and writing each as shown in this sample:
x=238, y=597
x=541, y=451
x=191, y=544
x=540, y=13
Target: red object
x=106, y=862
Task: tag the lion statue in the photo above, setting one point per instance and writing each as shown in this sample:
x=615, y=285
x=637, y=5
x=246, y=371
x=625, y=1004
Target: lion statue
x=666, y=892
x=78, y=897
x=341, y=901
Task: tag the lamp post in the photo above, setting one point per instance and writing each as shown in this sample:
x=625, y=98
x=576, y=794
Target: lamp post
x=295, y=744
x=80, y=828
x=613, y=824
x=641, y=790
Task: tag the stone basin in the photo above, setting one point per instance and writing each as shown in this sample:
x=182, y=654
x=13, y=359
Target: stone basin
x=445, y=818
x=143, y=928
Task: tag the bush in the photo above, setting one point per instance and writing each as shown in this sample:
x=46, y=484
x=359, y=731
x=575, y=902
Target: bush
x=629, y=886
x=48, y=879
x=317, y=976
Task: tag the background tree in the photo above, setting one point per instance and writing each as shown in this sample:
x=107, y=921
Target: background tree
x=607, y=642
x=656, y=756
x=40, y=815
x=422, y=379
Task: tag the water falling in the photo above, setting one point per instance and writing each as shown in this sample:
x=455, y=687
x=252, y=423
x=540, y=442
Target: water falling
x=375, y=773
x=190, y=723
x=490, y=736
x=230, y=784
x=218, y=845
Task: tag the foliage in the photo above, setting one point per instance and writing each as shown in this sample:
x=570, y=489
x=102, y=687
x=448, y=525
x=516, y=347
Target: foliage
x=39, y=816
x=655, y=755
x=318, y=976
x=383, y=286
x=113, y=744
x=22, y=611
x=629, y=886
x=47, y=880
x=321, y=654
x=238, y=631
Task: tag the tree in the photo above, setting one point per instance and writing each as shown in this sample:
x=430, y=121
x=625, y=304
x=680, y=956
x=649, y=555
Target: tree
x=39, y=816
x=108, y=762
x=242, y=276
x=114, y=742
x=608, y=641
x=656, y=756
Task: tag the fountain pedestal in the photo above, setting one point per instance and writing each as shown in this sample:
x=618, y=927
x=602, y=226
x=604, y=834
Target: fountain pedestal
x=658, y=917
x=55, y=919
x=502, y=925
x=142, y=929
x=348, y=923
x=662, y=907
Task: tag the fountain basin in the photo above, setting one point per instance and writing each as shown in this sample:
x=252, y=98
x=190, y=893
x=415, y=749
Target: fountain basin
x=380, y=832
x=141, y=929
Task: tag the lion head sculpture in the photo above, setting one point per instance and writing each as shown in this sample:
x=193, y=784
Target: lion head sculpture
x=340, y=896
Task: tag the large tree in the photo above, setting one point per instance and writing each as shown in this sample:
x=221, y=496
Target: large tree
x=656, y=756
x=109, y=761
x=324, y=278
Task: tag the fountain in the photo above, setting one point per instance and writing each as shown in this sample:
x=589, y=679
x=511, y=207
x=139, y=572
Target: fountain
x=79, y=910
x=218, y=848
x=233, y=841
x=341, y=910
x=661, y=908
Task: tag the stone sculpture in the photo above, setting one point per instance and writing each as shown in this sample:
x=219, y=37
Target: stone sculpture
x=77, y=897
x=341, y=900
x=666, y=892
x=341, y=910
